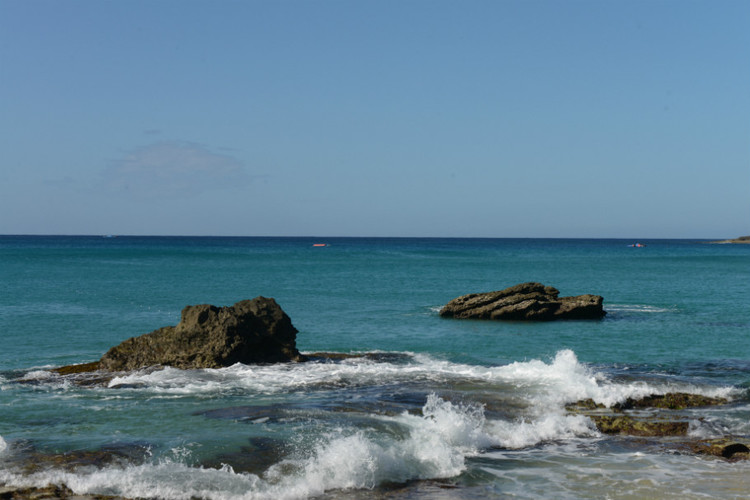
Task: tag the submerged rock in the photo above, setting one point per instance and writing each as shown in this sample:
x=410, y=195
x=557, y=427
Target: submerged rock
x=526, y=301
x=250, y=331
x=254, y=458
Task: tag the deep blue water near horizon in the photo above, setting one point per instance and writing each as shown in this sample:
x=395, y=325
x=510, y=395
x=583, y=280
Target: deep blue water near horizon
x=474, y=405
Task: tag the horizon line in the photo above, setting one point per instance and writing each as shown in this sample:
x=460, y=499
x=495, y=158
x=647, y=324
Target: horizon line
x=115, y=235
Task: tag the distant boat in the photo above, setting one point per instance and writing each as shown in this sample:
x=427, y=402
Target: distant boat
x=637, y=245
x=320, y=244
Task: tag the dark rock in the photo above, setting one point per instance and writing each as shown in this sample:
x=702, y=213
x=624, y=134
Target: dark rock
x=725, y=447
x=664, y=420
x=49, y=492
x=250, y=331
x=584, y=405
x=670, y=401
x=76, y=369
x=526, y=301
x=630, y=426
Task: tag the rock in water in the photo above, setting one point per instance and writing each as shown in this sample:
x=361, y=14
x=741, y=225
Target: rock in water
x=726, y=447
x=250, y=331
x=527, y=301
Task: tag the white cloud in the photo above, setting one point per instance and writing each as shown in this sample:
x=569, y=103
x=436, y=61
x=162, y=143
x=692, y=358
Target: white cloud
x=173, y=169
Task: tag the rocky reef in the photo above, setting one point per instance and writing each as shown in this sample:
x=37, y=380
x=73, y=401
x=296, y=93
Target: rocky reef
x=642, y=417
x=527, y=302
x=250, y=331
x=660, y=416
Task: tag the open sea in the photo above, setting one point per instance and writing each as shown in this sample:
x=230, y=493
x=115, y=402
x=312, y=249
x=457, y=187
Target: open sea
x=436, y=408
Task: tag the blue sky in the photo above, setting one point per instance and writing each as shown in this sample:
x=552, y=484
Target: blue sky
x=533, y=118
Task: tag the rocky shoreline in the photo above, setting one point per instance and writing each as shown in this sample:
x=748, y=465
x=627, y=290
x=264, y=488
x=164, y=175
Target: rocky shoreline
x=741, y=240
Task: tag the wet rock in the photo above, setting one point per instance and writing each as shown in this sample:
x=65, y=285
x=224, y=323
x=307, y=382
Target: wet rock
x=50, y=492
x=250, y=331
x=584, y=405
x=671, y=401
x=77, y=369
x=85, y=374
x=526, y=301
x=621, y=421
x=668, y=401
x=729, y=448
x=627, y=425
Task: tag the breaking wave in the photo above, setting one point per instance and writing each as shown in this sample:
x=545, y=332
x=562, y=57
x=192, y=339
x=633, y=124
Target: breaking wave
x=463, y=411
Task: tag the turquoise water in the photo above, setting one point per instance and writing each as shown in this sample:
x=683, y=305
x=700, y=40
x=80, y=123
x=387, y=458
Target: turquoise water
x=465, y=408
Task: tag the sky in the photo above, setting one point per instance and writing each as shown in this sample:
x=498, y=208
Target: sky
x=503, y=118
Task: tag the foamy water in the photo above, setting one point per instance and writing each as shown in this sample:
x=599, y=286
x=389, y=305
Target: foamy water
x=438, y=440
x=545, y=385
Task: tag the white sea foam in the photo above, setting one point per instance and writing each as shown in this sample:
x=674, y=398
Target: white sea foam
x=38, y=375
x=533, y=474
x=565, y=380
x=554, y=427
x=3, y=446
x=639, y=308
x=167, y=480
x=574, y=472
x=435, y=446
x=545, y=385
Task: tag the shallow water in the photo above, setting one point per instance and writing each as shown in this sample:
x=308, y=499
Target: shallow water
x=437, y=409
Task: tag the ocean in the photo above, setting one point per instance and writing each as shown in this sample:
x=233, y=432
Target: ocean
x=432, y=407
